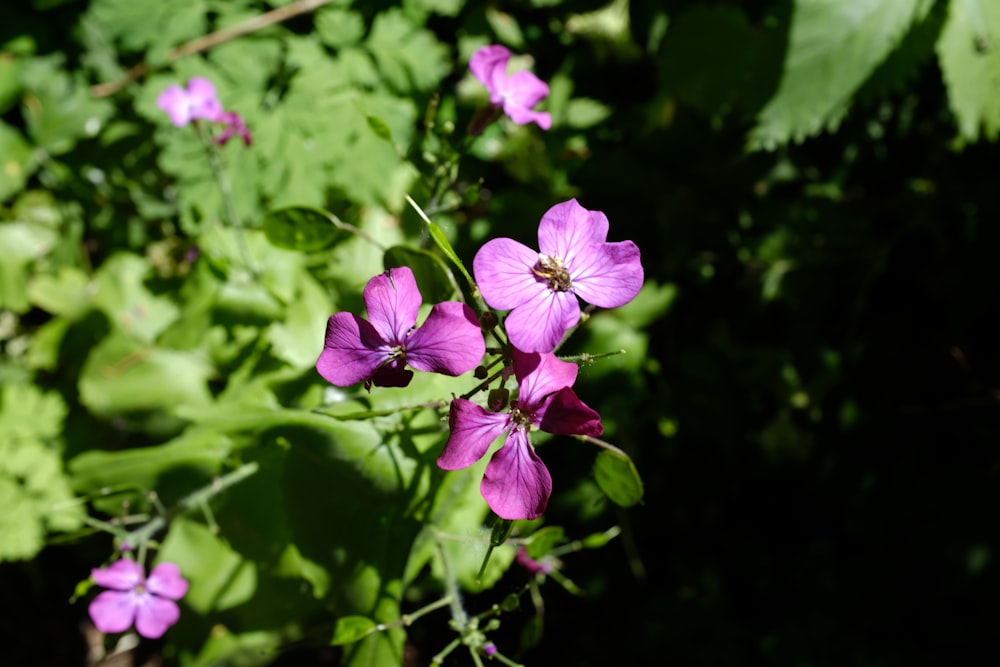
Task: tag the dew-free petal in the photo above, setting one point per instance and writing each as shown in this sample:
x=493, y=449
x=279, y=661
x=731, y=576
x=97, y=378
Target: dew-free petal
x=516, y=485
x=449, y=341
x=113, y=611
x=202, y=99
x=166, y=580
x=154, y=615
x=503, y=273
x=609, y=275
x=489, y=65
x=539, y=375
x=352, y=351
x=521, y=92
x=122, y=575
x=473, y=430
x=565, y=414
x=537, y=325
x=567, y=229
x=173, y=100
x=393, y=300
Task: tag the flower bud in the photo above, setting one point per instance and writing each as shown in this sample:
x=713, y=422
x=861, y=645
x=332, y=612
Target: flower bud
x=488, y=320
x=497, y=399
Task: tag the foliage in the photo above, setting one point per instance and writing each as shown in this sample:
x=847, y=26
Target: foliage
x=809, y=182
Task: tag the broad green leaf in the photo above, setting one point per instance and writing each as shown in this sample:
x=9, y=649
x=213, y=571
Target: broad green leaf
x=618, y=478
x=301, y=228
x=969, y=53
x=410, y=58
x=350, y=629
x=139, y=26
x=434, y=279
x=834, y=46
x=25, y=411
x=339, y=27
x=545, y=540
x=583, y=112
x=121, y=375
x=16, y=163
x=130, y=306
x=22, y=244
x=442, y=242
x=95, y=468
x=220, y=578
x=65, y=293
x=298, y=337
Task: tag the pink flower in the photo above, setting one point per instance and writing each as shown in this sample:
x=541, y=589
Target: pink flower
x=541, y=289
x=449, y=341
x=234, y=124
x=197, y=101
x=516, y=484
x=530, y=564
x=518, y=93
x=148, y=602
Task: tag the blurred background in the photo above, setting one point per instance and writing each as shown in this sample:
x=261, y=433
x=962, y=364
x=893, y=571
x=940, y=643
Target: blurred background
x=810, y=389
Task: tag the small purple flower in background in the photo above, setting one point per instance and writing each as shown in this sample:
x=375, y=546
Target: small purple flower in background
x=198, y=101
x=516, y=484
x=448, y=342
x=530, y=564
x=540, y=289
x=518, y=93
x=234, y=124
x=134, y=598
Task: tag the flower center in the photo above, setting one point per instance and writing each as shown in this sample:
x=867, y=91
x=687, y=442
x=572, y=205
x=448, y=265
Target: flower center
x=550, y=269
x=520, y=417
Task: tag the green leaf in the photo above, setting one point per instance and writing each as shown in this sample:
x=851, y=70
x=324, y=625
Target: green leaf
x=442, y=242
x=298, y=337
x=141, y=26
x=834, y=46
x=410, y=58
x=220, y=578
x=123, y=297
x=545, y=540
x=339, y=27
x=22, y=244
x=350, y=629
x=618, y=478
x=25, y=411
x=301, y=228
x=16, y=163
x=969, y=54
x=434, y=279
x=379, y=127
x=583, y=112
x=66, y=293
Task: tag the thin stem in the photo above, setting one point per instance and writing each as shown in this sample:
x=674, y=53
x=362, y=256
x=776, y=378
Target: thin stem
x=408, y=619
x=210, y=40
x=601, y=443
x=226, y=190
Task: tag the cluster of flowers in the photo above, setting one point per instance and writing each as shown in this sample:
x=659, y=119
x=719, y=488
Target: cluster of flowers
x=541, y=290
x=198, y=102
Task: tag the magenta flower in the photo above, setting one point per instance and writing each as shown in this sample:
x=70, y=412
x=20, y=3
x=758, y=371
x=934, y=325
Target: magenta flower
x=516, y=484
x=518, y=93
x=148, y=602
x=234, y=124
x=540, y=289
x=448, y=342
x=530, y=564
x=185, y=105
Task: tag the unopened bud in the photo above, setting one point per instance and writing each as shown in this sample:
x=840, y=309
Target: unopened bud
x=497, y=399
x=488, y=320
x=480, y=373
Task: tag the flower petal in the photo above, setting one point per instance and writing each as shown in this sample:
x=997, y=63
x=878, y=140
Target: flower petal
x=449, y=341
x=393, y=300
x=166, y=580
x=503, y=273
x=565, y=414
x=352, y=351
x=539, y=375
x=516, y=485
x=113, y=611
x=607, y=275
x=522, y=91
x=539, y=324
x=392, y=374
x=473, y=430
x=202, y=100
x=122, y=575
x=173, y=100
x=489, y=65
x=567, y=229
x=155, y=615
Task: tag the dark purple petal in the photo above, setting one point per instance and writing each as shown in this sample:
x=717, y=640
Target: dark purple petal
x=473, y=430
x=516, y=485
x=567, y=229
x=539, y=375
x=392, y=300
x=352, y=351
x=122, y=575
x=155, y=615
x=113, y=611
x=539, y=324
x=503, y=273
x=521, y=92
x=489, y=65
x=392, y=374
x=449, y=341
x=608, y=275
x=565, y=414
x=166, y=580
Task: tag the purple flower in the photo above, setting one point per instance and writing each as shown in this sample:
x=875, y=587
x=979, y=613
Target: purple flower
x=517, y=485
x=518, y=93
x=148, y=602
x=234, y=124
x=449, y=341
x=197, y=101
x=530, y=564
x=541, y=289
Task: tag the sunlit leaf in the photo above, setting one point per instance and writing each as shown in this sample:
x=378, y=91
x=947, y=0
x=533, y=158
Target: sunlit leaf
x=301, y=228
x=350, y=629
x=618, y=478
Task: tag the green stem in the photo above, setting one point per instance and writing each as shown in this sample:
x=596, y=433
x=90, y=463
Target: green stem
x=226, y=190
